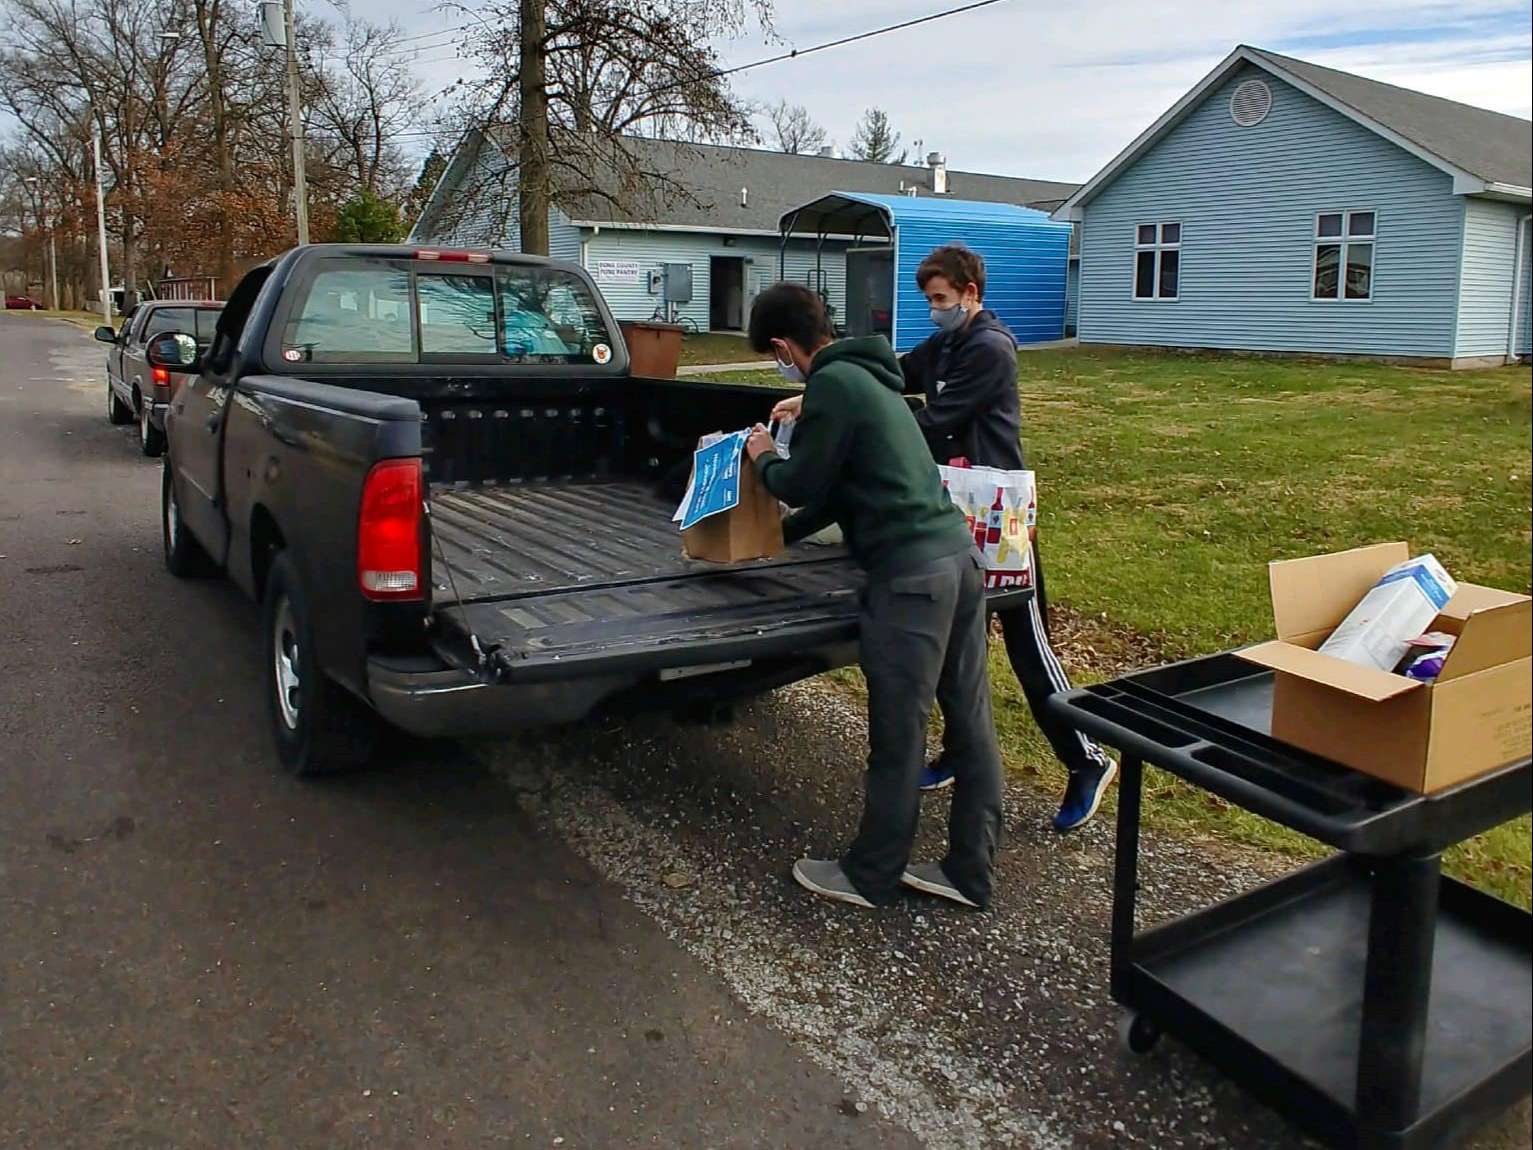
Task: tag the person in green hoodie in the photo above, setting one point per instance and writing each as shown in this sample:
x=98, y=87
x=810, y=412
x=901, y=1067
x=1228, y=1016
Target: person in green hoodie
x=859, y=460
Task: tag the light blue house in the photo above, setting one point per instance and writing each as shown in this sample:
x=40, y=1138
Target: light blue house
x=713, y=211
x=1026, y=255
x=1281, y=206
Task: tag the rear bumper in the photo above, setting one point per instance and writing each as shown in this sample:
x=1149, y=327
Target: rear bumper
x=444, y=702
x=157, y=415
x=451, y=703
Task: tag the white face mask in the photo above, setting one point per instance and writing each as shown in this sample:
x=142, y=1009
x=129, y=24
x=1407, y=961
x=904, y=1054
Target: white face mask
x=790, y=371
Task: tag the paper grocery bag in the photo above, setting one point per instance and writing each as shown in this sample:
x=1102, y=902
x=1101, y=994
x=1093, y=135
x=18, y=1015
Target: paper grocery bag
x=750, y=529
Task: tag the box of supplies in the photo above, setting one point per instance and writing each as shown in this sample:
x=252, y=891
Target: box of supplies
x=1422, y=736
x=727, y=514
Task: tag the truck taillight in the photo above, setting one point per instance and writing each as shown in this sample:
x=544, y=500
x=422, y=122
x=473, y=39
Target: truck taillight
x=160, y=375
x=389, y=531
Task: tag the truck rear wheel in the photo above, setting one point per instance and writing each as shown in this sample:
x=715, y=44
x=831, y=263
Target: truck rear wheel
x=184, y=556
x=318, y=727
x=151, y=440
x=117, y=412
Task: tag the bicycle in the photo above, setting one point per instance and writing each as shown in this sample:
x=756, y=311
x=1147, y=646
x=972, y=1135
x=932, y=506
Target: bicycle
x=686, y=323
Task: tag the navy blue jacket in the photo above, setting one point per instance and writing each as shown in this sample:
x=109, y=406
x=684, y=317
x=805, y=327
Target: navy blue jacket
x=969, y=379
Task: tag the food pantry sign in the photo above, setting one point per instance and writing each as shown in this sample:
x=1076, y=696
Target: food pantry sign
x=627, y=273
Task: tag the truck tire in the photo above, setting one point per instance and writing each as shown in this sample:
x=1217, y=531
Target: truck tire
x=184, y=556
x=117, y=412
x=151, y=440
x=319, y=728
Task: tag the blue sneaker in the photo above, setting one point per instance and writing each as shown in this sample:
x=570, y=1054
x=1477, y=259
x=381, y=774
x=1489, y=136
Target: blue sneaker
x=1083, y=793
x=935, y=777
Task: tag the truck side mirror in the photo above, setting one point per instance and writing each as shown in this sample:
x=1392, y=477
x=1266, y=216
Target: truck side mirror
x=105, y=334
x=173, y=350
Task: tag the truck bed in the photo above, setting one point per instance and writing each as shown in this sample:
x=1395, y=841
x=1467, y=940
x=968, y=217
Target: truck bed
x=555, y=575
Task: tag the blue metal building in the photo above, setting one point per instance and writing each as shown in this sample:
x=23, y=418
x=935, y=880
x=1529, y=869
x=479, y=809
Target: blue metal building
x=884, y=239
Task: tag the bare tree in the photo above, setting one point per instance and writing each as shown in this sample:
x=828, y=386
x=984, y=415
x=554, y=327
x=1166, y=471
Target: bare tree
x=568, y=81
x=68, y=59
x=876, y=140
x=364, y=101
x=794, y=129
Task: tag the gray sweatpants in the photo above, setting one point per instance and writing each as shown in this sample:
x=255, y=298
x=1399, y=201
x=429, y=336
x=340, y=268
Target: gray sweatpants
x=923, y=642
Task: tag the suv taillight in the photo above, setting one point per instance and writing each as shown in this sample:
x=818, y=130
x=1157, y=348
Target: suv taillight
x=389, y=531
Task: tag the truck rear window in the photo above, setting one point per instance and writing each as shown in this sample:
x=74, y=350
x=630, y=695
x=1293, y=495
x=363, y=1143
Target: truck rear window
x=388, y=313
x=193, y=321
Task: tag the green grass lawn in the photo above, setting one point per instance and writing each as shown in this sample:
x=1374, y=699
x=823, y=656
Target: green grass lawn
x=717, y=347
x=1168, y=481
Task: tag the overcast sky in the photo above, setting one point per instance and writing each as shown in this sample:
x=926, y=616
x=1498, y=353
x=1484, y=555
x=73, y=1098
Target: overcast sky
x=1053, y=90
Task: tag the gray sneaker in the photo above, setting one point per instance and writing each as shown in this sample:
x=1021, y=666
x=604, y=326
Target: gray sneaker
x=825, y=877
x=930, y=878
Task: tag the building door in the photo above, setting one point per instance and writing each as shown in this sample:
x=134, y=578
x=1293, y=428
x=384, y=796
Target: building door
x=726, y=293
x=870, y=291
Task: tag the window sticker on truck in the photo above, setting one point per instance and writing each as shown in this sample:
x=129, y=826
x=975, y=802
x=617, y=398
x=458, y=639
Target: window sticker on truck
x=602, y=354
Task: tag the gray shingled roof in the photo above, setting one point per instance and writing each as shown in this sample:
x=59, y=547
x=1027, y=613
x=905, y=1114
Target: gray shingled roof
x=1494, y=147
x=776, y=183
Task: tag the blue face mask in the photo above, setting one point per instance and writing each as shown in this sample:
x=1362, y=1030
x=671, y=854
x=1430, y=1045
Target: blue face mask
x=949, y=318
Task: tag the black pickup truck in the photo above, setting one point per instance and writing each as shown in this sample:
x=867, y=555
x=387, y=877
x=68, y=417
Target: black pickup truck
x=435, y=472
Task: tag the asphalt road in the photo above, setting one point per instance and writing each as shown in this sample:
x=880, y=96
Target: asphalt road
x=196, y=951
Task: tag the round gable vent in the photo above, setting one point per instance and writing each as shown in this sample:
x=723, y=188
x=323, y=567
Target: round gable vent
x=1250, y=103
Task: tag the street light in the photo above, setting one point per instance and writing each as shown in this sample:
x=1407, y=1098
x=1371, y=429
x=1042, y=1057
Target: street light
x=53, y=255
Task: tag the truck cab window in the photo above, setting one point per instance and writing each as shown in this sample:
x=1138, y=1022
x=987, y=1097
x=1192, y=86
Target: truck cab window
x=207, y=323
x=166, y=319
x=549, y=316
x=352, y=315
x=457, y=314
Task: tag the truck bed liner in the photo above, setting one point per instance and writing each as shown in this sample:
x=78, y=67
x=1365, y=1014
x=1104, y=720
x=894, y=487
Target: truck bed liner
x=555, y=575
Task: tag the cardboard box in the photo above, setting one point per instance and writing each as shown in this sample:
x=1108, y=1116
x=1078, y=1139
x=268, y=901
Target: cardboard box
x=752, y=529
x=1420, y=736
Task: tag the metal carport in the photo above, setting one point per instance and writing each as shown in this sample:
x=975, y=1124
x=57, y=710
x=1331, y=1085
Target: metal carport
x=1026, y=259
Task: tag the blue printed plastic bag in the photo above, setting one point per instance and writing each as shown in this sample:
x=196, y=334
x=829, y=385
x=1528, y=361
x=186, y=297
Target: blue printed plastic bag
x=715, y=484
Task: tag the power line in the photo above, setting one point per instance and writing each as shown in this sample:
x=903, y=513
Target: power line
x=438, y=31
x=447, y=37
x=793, y=54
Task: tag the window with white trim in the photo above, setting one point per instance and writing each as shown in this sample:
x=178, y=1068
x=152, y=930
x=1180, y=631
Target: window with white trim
x=1344, y=243
x=1157, y=261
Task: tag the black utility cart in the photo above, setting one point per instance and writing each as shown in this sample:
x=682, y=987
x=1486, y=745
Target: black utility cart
x=1367, y=998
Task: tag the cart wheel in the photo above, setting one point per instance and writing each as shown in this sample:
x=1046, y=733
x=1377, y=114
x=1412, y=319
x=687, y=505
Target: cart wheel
x=1138, y=1034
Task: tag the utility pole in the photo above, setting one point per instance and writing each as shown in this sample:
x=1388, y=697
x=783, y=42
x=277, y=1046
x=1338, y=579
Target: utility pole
x=295, y=113
x=106, y=283
x=53, y=266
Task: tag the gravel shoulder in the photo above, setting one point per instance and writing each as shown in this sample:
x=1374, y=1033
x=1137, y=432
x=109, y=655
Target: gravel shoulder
x=971, y=1030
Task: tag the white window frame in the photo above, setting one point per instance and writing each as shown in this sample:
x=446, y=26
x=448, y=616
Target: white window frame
x=1158, y=247
x=1343, y=241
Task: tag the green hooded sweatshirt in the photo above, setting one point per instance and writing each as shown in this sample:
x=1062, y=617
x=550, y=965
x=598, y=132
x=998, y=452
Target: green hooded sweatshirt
x=859, y=459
